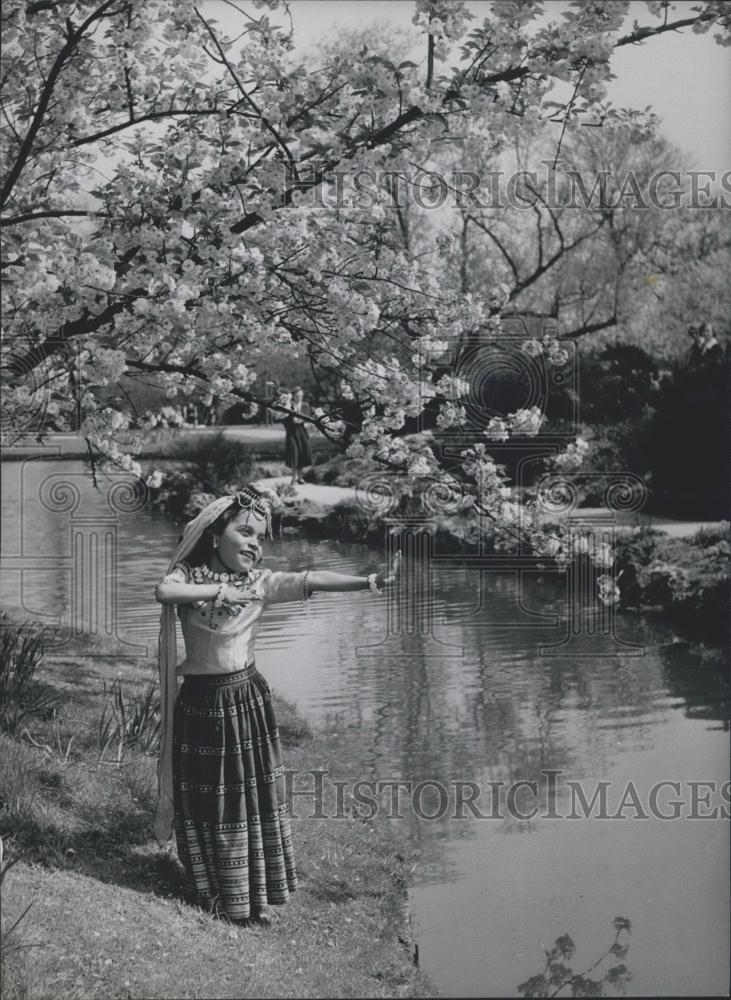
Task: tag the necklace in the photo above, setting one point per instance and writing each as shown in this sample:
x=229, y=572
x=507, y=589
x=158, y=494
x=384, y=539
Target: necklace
x=204, y=574
x=207, y=575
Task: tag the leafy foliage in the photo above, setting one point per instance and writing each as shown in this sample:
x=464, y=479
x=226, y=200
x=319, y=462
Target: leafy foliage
x=558, y=975
x=214, y=465
x=130, y=722
x=673, y=431
x=688, y=579
x=21, y=695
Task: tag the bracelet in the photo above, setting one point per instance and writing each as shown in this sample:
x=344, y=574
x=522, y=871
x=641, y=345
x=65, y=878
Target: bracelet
x=375, y=589
x=219, y=596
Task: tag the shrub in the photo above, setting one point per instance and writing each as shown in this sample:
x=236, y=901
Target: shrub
x=674, y=432
x=689, y=442
x=340, y=470
x=21, y=650
x=210, y=466
x=711, y=536
x=617, y=384
x=216, y=462
x=130, y=722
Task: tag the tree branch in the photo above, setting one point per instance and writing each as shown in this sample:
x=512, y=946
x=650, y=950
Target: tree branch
x=51, y=214
x=151, y=117
x=582, y=331
x=642, y=33
x=71, y=43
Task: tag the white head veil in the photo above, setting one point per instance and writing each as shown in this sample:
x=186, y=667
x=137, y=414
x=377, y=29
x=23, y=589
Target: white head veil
x=259, y=499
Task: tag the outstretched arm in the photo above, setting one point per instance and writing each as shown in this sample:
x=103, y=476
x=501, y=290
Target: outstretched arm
x=326, y=580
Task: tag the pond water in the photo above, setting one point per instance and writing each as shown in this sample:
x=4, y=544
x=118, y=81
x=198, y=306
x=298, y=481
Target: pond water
x=477, y=699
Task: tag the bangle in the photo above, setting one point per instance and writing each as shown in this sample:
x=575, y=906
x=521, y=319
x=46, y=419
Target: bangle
x=219, y=596
x=375, y=589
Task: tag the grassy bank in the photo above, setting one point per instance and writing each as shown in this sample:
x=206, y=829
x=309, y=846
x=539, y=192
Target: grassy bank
x=106, y=918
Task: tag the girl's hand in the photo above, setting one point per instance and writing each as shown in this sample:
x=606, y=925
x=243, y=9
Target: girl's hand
x=392, y=575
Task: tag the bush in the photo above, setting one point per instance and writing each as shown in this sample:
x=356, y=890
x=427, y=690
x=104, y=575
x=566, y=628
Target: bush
x=212, y=465
x=131, y=722
x=673, y=432
x=21, y=650
x=687, y=578
x=339, y=470
x=717, y=536
x=617, y=384
x=216, y=462
x=688, y=443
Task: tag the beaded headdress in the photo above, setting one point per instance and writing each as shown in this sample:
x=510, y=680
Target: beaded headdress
x=261, y=500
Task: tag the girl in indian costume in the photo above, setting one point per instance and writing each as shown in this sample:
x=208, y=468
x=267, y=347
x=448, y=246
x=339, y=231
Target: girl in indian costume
x=220, y=773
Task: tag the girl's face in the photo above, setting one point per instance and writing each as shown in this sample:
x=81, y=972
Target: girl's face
x=299, y=396
x=239, y=547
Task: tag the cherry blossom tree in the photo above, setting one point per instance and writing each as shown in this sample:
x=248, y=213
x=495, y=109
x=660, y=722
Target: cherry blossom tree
x=179, y=199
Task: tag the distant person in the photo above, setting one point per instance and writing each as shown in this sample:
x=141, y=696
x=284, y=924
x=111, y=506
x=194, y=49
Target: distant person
x=297, y=453
x=351, y=413
x=705, y=348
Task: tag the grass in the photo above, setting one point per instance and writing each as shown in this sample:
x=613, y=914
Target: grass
x=130, y=722
x=107, y=918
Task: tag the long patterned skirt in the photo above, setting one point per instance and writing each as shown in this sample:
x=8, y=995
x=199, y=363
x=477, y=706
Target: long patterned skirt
x=231, y=819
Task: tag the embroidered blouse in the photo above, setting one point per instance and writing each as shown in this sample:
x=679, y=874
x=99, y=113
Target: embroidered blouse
x=220, y=640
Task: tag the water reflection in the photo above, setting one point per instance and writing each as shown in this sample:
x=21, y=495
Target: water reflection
x=701, y=683
x=475, y=704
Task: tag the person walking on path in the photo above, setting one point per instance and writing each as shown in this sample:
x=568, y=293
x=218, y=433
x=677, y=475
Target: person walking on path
x=297, y=452
x=221, y=778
